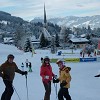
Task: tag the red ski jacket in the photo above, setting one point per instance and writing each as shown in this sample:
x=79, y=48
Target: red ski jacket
x=46, y=70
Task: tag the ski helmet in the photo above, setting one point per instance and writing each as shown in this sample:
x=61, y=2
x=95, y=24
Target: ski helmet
x=10, y=56
x=59, y=61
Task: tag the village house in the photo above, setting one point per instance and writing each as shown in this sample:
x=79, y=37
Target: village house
x=8, y=40
x=79, y=42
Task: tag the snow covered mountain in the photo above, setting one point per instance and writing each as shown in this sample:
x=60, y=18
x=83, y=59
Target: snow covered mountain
x=73, y=21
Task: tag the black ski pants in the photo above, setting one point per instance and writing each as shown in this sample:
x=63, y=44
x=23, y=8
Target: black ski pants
x=63, y=93
x=8, y=90
x=47, y=87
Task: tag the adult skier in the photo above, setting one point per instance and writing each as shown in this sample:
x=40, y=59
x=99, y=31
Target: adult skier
x=47, y=75
x=7, y=72
x=64, y=79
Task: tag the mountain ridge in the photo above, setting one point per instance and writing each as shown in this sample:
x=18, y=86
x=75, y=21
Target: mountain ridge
x=68, y=21
x=5, y=16
x=74, y=21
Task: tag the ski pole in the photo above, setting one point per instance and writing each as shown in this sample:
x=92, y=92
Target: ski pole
x=17, y=93
x=55, y=85
x=27, y=87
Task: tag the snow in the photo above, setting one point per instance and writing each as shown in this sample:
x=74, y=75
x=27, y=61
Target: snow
x=84, y=86
x=86, y=23
x=46, y=34
x=83, y=35
x=8, y=40
x=5, y=22
x=79, y=40
x=70, y=22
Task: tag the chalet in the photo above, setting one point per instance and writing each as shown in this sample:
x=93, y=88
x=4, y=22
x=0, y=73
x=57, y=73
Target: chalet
x=35, y=42
x=79, y=42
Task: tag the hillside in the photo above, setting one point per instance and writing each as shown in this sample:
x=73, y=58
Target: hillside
x=73, y=21
x=69, y=21
x=4, y=16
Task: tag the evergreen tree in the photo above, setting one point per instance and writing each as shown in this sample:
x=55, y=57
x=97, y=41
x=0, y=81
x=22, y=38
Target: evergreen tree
x=88, y=36
x=98, y=32
x=53, y=45
x=27, y=46
x=65, y=35
x=89, y=30
x=67, y=32
x=43, y=41
x=18, y=34
x=57, y=40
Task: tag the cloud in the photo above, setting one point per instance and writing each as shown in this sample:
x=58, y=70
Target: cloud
x=30, y=9
x=6, y=3
x=79, y=5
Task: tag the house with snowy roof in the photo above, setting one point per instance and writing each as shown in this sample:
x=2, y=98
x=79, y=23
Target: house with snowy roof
x=79, y=42
x=8, y=40
x=35, y=42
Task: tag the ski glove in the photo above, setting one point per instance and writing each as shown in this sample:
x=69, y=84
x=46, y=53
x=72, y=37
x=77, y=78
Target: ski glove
x=46, y=77
x=97, y=75
x=63, y=84
x=55, y=76
x=24, y=73
x=55, y=80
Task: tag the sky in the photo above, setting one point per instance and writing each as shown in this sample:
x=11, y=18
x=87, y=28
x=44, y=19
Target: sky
x=29, y=9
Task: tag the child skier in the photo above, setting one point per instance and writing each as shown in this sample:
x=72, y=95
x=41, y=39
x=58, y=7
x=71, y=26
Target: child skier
x=30, y=67
x=27, y=63
x=22, y=67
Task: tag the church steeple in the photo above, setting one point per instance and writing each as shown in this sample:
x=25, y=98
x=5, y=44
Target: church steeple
x=45, y=20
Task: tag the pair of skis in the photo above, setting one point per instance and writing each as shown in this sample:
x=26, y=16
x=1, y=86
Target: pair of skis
x=97, y=75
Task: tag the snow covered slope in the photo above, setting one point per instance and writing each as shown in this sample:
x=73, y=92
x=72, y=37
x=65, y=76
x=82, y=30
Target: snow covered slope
x=84, y=86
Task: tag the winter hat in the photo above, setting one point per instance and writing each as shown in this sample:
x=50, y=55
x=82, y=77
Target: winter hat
x=10, y=56
x=46, y=58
